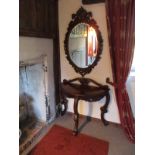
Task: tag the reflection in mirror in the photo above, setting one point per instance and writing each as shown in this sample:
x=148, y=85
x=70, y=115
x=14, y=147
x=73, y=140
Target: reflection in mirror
x=83, y=42
x=83, y=45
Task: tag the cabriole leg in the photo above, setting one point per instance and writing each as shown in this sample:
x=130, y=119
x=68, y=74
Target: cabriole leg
x=104, y=109
x=76, y=117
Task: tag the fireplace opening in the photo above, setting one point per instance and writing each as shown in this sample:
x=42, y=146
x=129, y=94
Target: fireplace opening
x=35, y=110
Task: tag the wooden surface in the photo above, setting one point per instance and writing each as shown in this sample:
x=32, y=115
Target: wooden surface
x=80, y=89
x=92, y=1
x=36, y=18
x=82, y=16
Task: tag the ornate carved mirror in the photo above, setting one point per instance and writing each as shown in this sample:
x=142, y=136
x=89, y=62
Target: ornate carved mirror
x=83, y=42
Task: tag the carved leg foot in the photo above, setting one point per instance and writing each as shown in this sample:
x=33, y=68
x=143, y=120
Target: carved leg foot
x=104, y=110
x=76, y=120
x=76, y=117
x=65, y=103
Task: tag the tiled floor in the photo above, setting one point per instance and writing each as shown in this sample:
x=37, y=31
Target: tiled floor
x=30, y=133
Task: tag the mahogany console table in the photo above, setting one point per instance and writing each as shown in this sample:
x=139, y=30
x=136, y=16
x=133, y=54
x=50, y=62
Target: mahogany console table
x=80, y=89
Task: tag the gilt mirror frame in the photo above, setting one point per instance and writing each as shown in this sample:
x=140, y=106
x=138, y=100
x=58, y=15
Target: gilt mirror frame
x=82, y=16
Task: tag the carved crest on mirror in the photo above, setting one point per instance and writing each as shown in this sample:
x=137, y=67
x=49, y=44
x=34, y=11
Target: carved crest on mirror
x=83, y=42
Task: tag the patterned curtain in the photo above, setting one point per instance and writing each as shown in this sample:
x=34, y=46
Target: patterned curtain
x=121, y=30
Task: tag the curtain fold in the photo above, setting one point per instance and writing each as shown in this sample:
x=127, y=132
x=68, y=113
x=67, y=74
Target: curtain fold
x=121, y=31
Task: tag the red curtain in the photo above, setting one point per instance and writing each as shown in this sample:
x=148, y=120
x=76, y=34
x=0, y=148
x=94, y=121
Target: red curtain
x=121, y=30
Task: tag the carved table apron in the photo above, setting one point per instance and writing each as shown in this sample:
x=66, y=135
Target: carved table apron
x=87, y=93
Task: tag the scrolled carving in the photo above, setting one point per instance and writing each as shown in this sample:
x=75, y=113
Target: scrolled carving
x=82, y=16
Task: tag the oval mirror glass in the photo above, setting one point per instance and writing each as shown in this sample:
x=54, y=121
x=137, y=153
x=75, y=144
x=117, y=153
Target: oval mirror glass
x=83, y=45
x=83, y=42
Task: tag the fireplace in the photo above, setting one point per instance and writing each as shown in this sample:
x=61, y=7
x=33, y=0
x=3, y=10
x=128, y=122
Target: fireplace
x=35, y=108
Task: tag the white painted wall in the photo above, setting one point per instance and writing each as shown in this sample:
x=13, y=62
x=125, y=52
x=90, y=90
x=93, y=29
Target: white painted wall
x=101, y=71
x=31, y=47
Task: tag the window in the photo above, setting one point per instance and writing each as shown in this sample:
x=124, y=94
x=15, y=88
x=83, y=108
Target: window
x=130, y=84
